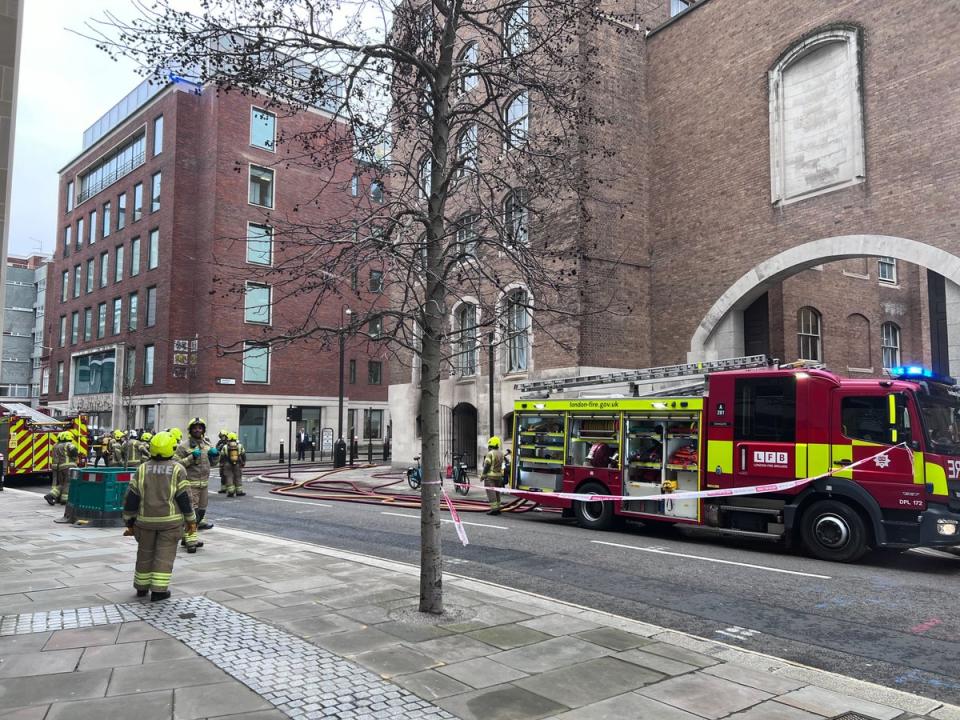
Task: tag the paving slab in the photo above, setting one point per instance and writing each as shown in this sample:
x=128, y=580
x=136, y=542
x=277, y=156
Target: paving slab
x=705, y=695
x=453, y=648
x=557, y=624
x=38, y=712
x=108, y=656
x=367, y=614
x=413, y=632
x=690, y=657
x=311, y=627
x=590, y=681
x=761, y=681
x=501, y=702
x=165, y=650
x=249, y=605
x=161, y=676
x=83, y=637
x=139, y=631
x=655, y=662
x=550, y=654
x=431, y=684
x=627, y=707
x=613, y=638
x=204, y=701
x=772, y=710
x=39, y=663
x=272, y=613
x=507, y=637
x=392, y=661
x=481, y=672
x=354, y=642
x=46, y=689
x=261, y=715
x=830, y=703
x=145, y=706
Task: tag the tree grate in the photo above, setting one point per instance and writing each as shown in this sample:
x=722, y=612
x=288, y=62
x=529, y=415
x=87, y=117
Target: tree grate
x=852, y=716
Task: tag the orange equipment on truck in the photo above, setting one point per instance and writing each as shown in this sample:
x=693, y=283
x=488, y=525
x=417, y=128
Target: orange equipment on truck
x=793, y=453
x=28, y=436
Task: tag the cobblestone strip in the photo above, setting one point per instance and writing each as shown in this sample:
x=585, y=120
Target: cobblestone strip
x=302, y=680
x=65, y=619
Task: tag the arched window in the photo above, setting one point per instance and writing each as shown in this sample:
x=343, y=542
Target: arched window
x=857, y=342
x=517, y=120
x=816, y=116
x=467, y=78
x=808, y=334
x=518, y=325
x=516, y=220
x=465, y=321
x=467, y=151
x=890, y=344
x=423, y=176
x=468, y=235
x=516, y=30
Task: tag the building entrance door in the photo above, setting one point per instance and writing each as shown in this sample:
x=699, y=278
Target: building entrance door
x=465, y=433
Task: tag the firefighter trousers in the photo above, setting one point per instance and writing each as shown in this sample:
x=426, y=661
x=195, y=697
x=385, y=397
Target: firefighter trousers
x=198, y=499
x=156, y=551
x=61, y=485
x=233, y=477
x=493, y=497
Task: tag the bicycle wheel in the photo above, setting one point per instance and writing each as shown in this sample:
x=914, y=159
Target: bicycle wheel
x=413, y=478
x=462, y=484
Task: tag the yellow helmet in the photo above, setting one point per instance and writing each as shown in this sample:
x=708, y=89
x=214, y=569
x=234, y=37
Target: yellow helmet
x=118, y=434
x=197, y=421
x=493, y=442
x=146, y=437
x=232, y=436
x=162, y=445
x=177, y=434
x=65, y=436
x=223, y=434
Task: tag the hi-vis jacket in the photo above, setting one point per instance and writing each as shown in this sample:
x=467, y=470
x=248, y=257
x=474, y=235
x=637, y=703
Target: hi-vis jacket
x=157, y=497
x=64, y=455
x=198, y=468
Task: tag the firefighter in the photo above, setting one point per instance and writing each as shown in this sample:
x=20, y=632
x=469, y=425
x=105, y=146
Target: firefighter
x=116, y=449
x=106, y=448
x=155, y=508
x=221, y=441
x=196, y=454
x=98, y=448
x=493, y=474
x=64, y=457
x=232, y=459
x=131, y=450
x=143, y=447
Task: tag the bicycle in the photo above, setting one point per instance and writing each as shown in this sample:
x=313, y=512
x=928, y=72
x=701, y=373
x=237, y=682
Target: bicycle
x=461, y=481
x=415, y=474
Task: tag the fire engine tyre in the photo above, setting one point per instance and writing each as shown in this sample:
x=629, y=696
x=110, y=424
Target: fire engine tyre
x=834, y=531
x=594, y=515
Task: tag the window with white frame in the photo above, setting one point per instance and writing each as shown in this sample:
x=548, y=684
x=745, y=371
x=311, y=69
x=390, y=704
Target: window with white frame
x=101, y=320
x=92, y=240
x=259, y=244
x=153, y=249
x=261, y=186
x=65, y=287
x=256, y=304
x=808, y=334
x=155, y=192
x=466, y=339
x=423, y=176
x=467, y=151
x=256, y=363
x=59, y=377
x=87, y=324
x=467, y=78
x=157, y=135
x=516, y=29
x=106, y=219
x=148, y=365
x=121, y=210
x=135, y=257
x=517, y=120
x=518, y=325
x=887, y=270
x=117, y=315
x=63, y=330
x=118, y=263
x=133, y=311
x=91, y=274
x=890, y=344
x=137, y=201
x=74, y=327
x=263, y=128
x=70, y=196
x=104, y=268
x=77, y=275
x=468, y=235
x=516, y=217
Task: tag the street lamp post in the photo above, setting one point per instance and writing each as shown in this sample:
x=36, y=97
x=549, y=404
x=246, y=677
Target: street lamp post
x=340, y=449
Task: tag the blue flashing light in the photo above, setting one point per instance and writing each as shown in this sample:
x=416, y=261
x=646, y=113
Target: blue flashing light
x=917, y=372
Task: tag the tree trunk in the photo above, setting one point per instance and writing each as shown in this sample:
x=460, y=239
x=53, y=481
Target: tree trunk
x=431, y=557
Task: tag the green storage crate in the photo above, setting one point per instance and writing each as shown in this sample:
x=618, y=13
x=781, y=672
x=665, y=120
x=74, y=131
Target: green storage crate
x=96, y=495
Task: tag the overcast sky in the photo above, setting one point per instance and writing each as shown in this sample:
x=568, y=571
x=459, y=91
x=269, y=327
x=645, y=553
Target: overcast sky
x=65, y=85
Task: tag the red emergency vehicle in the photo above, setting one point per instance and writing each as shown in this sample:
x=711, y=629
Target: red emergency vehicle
x=752, y=426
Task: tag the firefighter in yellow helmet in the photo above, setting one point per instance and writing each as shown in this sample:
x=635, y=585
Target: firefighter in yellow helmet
x=156, y=507
x=144, y=445
x=221, y=441
x=116, y=449
x=493, y=473
x=130, y=450
x=196, y=453
x=232, y=459
x=63, y=458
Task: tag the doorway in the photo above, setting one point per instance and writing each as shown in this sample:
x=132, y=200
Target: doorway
x=465, y=433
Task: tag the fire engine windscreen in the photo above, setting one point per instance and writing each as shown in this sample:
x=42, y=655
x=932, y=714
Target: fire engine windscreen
x=940, y=410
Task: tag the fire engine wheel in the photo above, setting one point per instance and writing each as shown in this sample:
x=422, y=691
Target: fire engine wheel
x=834, y=531
x=594, y=515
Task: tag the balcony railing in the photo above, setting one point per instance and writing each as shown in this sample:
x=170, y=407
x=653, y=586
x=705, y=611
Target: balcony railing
x=107, y=180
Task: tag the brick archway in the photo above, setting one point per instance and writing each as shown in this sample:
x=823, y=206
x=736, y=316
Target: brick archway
x=720, y=333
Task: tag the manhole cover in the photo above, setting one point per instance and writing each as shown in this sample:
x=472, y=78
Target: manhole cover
x=187, y=616
x=852, y=716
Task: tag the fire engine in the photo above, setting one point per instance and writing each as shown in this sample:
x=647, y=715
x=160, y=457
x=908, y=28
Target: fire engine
x=29, y=435
x=747, y=423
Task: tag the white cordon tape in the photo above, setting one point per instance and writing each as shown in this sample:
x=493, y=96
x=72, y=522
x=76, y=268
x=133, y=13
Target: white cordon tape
x=696, y=494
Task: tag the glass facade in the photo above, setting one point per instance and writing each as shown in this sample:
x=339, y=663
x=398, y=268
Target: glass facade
x=93, y=374
x=253, y=428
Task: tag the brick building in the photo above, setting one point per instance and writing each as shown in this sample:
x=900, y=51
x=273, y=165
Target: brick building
x=790, y=182
x=166, y=279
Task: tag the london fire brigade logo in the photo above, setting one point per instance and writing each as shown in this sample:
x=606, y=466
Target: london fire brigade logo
x=882, y=461
x=765, y=458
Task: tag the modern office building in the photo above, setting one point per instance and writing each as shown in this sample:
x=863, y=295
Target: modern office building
x=23, y=313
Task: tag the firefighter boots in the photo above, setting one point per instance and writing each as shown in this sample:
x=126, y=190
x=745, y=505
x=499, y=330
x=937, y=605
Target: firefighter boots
x=154, y=596
x=142, y=592
x=51, y=500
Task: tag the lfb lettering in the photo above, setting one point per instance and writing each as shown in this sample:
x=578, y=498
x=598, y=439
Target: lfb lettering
x=765, y=457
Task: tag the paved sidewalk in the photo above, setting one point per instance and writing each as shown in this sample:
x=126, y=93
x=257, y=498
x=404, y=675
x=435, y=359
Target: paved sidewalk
x=263, y=629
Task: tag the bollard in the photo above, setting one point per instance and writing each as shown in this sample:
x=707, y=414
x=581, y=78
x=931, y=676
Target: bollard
x=339, y=453
x=281, y=451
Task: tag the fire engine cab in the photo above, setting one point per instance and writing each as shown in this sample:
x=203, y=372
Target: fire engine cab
x=745, y=424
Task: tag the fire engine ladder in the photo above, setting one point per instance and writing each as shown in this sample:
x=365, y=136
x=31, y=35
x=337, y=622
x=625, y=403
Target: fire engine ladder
x=666, y=372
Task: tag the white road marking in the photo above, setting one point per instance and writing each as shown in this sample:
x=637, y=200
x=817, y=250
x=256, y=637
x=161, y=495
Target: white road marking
x=465, y=522
x=659, y=551
x=298, y=502
x=738, y=632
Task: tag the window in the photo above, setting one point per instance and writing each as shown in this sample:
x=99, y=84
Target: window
x=59, y=377
x=63, y=330
x=70, y=196
x=467, y=151
x=104, y=268
x=154, y=192
x=106, y=218
x=866, y=418
x=137, y=201
x=65, y=287
x=423, y=176
x=374, y=372
x=355, y=186
x=816, y=117
x=259, y=244
x=132, y=319
x=79, y=237
x=376, y=191
x=253, y=428
x=67, y=239
x=375, y=327
x=376, y=281
x=157, y=135
x=91, y=273
x=101, y=320
x=87, y=324
x=112, y=168
x=887, y=270
x=808, y=334
x=93, y=227
x=262, y=129
x=890, y=344
x=151, y=307
x=518, y=120
x=353, y=372
x=93, y=374
x=256, y=304
x=518, y=322
x=153, y=249
x=118, y=264
x=256, y=363
x=121, y=211
x=372, y=424
x=466, y=334
x=148, y=365
x=77, y=272
x=135, y=257
x=678, y=6
x=117, y=315
x=516, y=219
x=516, y=30
x=766, y=409
x=130, y=366
x=261, y=186
x=467, y=76
x=467, y=235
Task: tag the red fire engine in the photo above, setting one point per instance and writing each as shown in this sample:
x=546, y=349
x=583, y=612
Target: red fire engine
x=751, y=424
